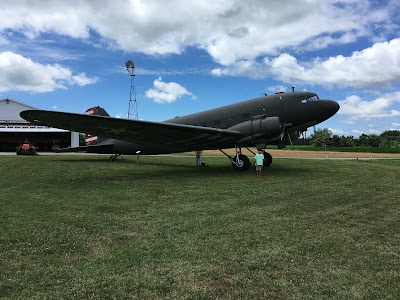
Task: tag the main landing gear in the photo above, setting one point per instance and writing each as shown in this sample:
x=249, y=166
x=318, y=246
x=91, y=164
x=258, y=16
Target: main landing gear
x=241, y=162
x=267, y=158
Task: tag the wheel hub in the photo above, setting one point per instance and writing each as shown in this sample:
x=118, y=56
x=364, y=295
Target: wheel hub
x=239, y=163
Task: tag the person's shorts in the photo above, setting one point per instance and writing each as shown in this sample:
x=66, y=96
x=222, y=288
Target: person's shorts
x=258, y=167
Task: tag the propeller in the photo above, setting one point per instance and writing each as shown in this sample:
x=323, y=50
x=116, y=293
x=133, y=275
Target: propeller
x=290, y=139
x=283, y=131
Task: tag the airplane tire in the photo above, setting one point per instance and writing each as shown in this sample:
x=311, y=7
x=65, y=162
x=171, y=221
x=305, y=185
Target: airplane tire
x=244, y=163
x=267, y=159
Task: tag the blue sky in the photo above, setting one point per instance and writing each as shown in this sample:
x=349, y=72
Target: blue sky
x=70, y=55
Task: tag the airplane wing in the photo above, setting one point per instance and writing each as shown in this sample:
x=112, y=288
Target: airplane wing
x=176, y=137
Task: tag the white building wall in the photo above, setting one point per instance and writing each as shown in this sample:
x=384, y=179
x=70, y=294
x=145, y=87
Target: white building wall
x=74, y=139
x=10, y=109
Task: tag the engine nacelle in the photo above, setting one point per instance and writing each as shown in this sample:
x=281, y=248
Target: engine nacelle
x=260, y=128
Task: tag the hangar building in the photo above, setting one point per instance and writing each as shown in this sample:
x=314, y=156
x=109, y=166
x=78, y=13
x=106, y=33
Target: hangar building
x=14, y=130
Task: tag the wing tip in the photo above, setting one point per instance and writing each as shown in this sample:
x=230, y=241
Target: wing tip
x=25, y=114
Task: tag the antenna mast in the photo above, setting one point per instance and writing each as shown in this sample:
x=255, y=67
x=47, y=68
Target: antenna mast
x=132, y=110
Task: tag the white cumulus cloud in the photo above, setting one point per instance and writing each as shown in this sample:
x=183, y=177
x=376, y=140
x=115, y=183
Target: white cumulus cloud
x=378, y=65
x=385, y=106
x=166, y=92
x=229, y=30
x=337, y=131
x=18, y=73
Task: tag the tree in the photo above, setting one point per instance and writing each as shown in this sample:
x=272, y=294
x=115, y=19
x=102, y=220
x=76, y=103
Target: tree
x=362, y=140
x=390, y=138
x=321, y=137
x=374, y=140
x=82, y=139
x=366, y=140
x=335, y=140
x=324, y=137
x=346, y=141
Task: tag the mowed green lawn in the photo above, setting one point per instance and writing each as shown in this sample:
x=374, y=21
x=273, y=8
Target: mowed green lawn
x=80, y=227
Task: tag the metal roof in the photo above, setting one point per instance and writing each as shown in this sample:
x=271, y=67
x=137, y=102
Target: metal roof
x=10, y=120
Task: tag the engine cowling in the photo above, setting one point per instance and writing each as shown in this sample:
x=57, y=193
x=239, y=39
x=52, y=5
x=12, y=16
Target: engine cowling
x=260, y=128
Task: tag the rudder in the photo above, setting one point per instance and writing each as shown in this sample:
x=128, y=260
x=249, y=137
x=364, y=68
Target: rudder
x=94, y=111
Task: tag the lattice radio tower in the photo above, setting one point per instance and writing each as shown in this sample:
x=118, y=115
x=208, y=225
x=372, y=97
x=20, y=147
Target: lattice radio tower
x=132, y=110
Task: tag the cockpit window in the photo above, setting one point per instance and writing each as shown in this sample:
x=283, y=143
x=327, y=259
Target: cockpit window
x=307, y=98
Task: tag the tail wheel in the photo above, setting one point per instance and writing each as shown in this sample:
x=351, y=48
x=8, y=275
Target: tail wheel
x=267, y=159
x=241, y=164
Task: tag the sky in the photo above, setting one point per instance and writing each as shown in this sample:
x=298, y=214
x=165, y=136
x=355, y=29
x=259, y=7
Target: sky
x=191, y=56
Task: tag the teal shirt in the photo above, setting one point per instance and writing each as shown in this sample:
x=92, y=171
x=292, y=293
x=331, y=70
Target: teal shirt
x=259, y=159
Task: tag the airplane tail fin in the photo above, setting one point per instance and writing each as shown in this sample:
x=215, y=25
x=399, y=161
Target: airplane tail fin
x=95, y=111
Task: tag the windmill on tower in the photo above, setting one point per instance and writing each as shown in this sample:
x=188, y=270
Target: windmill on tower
x=132, y=109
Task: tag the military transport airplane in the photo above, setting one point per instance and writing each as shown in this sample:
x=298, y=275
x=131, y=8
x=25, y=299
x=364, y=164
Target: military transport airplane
x=268, y=120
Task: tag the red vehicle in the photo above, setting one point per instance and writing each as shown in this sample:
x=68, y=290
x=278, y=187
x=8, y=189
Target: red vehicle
x=26, y=149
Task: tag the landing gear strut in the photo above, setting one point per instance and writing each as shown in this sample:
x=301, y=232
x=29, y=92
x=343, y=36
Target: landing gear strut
x=114, y=157
x=240, y=162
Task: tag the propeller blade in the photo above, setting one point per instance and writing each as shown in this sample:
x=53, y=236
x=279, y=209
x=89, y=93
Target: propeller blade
x=283, y=131
x=290, y=140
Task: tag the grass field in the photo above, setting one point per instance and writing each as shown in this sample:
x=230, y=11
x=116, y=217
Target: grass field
x=342, y=149
x=80, y=227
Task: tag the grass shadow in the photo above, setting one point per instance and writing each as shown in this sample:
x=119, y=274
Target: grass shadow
x=98, y=168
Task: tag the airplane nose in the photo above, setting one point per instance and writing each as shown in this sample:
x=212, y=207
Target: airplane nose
x=330, y=108
x=334, y=106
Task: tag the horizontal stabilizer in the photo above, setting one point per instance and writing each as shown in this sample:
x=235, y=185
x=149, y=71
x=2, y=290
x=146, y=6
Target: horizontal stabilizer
x=103, y=148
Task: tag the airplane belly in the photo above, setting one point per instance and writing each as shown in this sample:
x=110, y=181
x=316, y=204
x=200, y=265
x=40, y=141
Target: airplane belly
x=129, y=148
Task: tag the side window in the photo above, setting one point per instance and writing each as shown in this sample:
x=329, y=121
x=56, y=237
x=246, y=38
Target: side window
x=303, y=99
x=217, y=122
x=246, y=116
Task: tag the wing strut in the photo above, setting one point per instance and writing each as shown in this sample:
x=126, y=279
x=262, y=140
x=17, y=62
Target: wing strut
x=235, y=160
x=227, y=155
x=250, y=151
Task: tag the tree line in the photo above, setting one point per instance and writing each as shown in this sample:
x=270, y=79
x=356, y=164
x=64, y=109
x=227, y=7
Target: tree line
x=325, y=137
